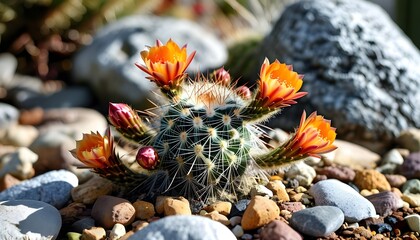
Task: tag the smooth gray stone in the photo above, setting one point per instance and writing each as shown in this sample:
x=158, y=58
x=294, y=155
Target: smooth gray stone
x=332, y=192
x=28, y=219
x=319, y=221
x=8, y=115
x=53, y=187
x=183, y=227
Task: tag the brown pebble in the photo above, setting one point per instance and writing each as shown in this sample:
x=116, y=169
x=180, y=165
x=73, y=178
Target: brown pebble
x=277, y=229
x=214, y=215
x=33, y=116
x=221, y=207
x=176, y=206
x=109, y=210
x=371, y=179
x=144, y=210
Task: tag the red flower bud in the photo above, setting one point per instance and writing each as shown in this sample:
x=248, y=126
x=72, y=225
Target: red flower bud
x=147, y=157
x=222, y=76
x=244, y=92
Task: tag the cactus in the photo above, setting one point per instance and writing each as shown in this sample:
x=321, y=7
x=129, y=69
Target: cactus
x=204, y=141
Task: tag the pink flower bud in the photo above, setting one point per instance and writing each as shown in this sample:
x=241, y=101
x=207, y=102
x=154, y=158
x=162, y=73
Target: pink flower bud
x=147, y=157
x=244, y=92
x=222, y=76
x=122, y=116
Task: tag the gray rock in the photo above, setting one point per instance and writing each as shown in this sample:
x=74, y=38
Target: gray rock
x=360, y=70
x=317, y=221
x=53, y=187
x=184, y=228
x=385, y=202
x=107, y=64
x=8, y=65
x=332, y=192
x=8, y=115
x=411, y=186
x=28, y=219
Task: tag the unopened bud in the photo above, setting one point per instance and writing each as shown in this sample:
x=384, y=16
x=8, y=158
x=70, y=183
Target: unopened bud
x=147, y=157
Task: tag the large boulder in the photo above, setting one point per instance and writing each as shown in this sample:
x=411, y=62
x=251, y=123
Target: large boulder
x=107, y=64
x=360, y=70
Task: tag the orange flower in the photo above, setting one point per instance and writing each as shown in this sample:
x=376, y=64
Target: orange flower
x=94, y=150
x=314, y=136
x=166, y=64
x=278, y=85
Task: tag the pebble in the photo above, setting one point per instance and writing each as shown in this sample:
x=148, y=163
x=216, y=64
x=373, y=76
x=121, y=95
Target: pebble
x=8, y=181
x=395, y=180
x=332, y=192
x=235, y=220
x=18, y=163
x=222, y=207
x=176, y=206
x=84, y=223
x=319, y=221
x=380, y=228
x=117, y=232
x=342, y=173
x=184, y=227
x=28, y=219
x=412, y=199
x=277, y=230
x=302, y=173
x=292, y=206
x=18, y=135
x=259, y=212
x=371, y=179
x=410, y=139
x=214, y=215
x=385, y=202
x=33, y=116
x=8, y=65
x=411, y=186
x=53, y=187
x=109, y=210
x=411, y=166
x=260, y=190
x=279, y=190
x=393, y=156
x=239, y=207
x=413, y=222
x=238, y=231
x=72, y=212
x=355, y=156
x=94, y=233
x=144, y=210
x=88, y=192
x=9, y=115
x=159, y=204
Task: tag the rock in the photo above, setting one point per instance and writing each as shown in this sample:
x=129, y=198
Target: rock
x=235, y=220
x=159, y=204
x=94, y=233
x=395, y=180
x=109, y=210
x=144, y=210
x=385, y=202
x=411, y=166
x=33, y=116
x=260, y=190
x=88, y=192
x=117, y=232
x=279, y=190
x=411, y=186
x=412, y=198
x=176, y=206
x=53, y=187
x=371, y=179
x=184, y=227
x=332, y=192
x=260, y=211
x=8, y=181
x=292, y=206
x=238, y=231
x=138, y=225
x=319, y=221
x=18, y=135
x=82, y=224
x=239, y=207
x=393, y=156
x=9, y=115
x=413, y=221
x=360, y=69
x=342, y=173
x=72, y=212
x=301, y=172
x=276, y=230
x=107, y=64
x=8, y=65
x=216, y=216
x=221, y=207
x=28, y=219
x=355, y=156
x=410, y=139
x=19, y=163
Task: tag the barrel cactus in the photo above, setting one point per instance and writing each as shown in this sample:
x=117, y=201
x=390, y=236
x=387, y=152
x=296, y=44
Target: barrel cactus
x=205, y=140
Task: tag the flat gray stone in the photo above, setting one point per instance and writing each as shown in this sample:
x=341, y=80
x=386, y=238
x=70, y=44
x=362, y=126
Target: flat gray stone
x=319, y=221
x=28, y=219
x=332, y=192
x=184, y=228
x=53, y=187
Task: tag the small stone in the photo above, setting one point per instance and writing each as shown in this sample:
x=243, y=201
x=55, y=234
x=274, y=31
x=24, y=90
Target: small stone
x=332, y=192
x=33, y=116
x=238, y=231
x=235, y=220
x=82, y=224
x=8, y=116
x=185, y=227
x=8, y=181
x=362, y=232
x=239, y=208
x=410, y=139
x=380, y=228
x=214, y=215
x=117, y=232
x=73, y=236
x=371, y=179
x=72, y=212
x=317, y=221
x=159, y=204
x=109, y=210
x=139, y=225
x=355, y=156
x=176, y=206
x=411, y=166
x=276, y=230
x=395, y=180
x=259, y=212
x=342, y=173
x=292, y=206
x=247, y=236
x=89, y=191
x=261, y=190
x=412, y=199
x=144, y=210
x=393, y=156
x=19, y=163
x=385, y=202
x=221, y=207
x=411, y=186
x=413, y=222
x=279, y=190
x=301, y=172
x=94, y=233
x=19, y=135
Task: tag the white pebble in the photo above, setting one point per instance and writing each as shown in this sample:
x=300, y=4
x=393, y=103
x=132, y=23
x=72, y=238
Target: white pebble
x=117, y=232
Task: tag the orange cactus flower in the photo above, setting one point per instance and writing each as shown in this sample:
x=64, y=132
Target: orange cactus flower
x=166, y=64
x=278, y=85
x=94, y=150
x=314, y=136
